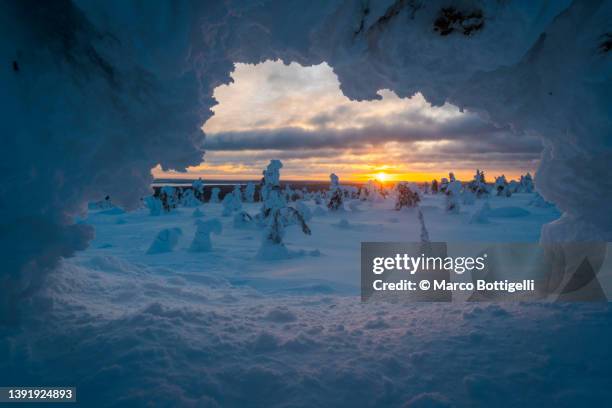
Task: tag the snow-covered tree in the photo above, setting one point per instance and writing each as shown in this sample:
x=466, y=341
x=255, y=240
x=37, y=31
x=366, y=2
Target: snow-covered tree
x=249, y=192
x=232, y=202
x=501, y=186
x=526, y=184
x=452, y=190
x=478, y=185
x=336, y=197
x=165, y=241
x=443, y=185
x=514, y=186
x=188, y=199
x=406, y=197
x=169, y=198
x=201, y=240
x=154, y=205
x=198, y=189
x=214, y=195
x=288, y=193
x=275, y=215
x=434, y=187
x=272, y=246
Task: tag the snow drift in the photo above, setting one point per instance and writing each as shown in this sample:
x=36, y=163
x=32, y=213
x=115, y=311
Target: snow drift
x=98, y=93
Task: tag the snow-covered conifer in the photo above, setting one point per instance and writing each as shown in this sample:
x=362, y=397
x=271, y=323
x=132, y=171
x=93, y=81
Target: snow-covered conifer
x=232, y=202
x=501, y=186
x=168, y=197
x=452, y=190
x=478, y=184
x=154, y=205
x=201, y=240
x=214, y=195
x=198, y=189
x=434, y=187
x=406, y=196
x=165, y=241
x=249, y=192
x=188, y=199
x=526, y=183
x=336, y=195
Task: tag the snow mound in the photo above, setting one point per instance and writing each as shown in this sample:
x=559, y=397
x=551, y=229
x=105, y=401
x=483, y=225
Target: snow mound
x=166, y=241
x=201, y=241
x=508, y=212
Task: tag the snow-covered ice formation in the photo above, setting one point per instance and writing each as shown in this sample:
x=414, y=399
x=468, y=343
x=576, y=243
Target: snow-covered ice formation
x=201, y=241
x=165, y=241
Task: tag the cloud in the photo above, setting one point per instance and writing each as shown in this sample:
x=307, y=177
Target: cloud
x=299, y=114
x=468, y=137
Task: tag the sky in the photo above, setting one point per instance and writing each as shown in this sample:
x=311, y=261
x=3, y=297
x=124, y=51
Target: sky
x=299, y=115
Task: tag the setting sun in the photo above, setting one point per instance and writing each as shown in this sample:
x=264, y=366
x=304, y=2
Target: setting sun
x=382, y=176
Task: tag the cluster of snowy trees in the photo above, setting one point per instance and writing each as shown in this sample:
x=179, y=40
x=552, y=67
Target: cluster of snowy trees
x=283, y=207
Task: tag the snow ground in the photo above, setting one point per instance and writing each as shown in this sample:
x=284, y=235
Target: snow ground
x=225, y=329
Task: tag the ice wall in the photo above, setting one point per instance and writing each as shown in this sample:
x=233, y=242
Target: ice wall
x=97, y=93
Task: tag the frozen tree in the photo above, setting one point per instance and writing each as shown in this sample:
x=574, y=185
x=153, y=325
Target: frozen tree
x=249, y=192
x=237, y=193
x=154, y=205
x=201, y=240
x=452, y=191
x=214, y=195
x=526, y=184
x=335, y=194
x=363, y=193
x=272, y=246
x=434, y=187
x=514, y=186
x=169, y=197
x=188, y=199
x=271, y=177
x=232, y=202
x=501, y=186
x=443, y=185
x=288, y=193
x=275, y=215
x=165, y=241
x=478, y=185
x=198, y=189
x=197, y=213
x=406, y=197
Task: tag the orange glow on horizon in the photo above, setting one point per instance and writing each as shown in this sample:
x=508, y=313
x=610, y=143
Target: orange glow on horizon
x=227, y=172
